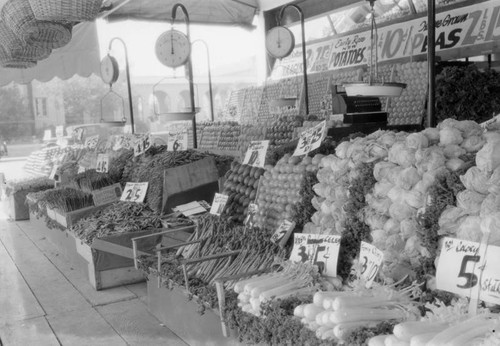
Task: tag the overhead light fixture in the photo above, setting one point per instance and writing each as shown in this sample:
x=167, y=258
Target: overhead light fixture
x=374, y=87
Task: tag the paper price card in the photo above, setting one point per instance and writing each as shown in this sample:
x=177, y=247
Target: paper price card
x=318, y=249
x=59, y=131
x=47, y=134
x=142, y=144
x=256, y=153
x=106, y=195
x=370, y=261
x=218, y=204
x=102, y=165
x=470, y=269
x=283, y=232
x=252, y=211
x=134, y=192
x=91, y=142
x=310, y=139
x=77, y=134
x=177, y=141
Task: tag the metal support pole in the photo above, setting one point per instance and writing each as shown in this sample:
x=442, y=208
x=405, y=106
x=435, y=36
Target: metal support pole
x=209, y=78
x=129, y=87
x=304, y=59
x=189, y=66
x=431, y=62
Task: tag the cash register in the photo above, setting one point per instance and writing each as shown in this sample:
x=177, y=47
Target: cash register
x=357, y=109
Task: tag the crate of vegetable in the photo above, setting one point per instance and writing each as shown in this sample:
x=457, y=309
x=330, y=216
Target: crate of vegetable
x=17, y=192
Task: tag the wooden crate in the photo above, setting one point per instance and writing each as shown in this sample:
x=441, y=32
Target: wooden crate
x=172, y=308
x=18, y=209
x=69, y=219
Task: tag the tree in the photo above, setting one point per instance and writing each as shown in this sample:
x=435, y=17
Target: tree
x=14, y=114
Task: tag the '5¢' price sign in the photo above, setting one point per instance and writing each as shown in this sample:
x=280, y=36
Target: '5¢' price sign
x=134, y=192
x=310, y=139
x=102, y=165
x=370, y=261
x=142, y=144
x=177, y=141
x=470, y=269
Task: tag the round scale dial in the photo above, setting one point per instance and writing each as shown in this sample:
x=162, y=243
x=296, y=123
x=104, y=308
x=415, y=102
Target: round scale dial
x=109, y=69
x=173, y=48
x=280, y=42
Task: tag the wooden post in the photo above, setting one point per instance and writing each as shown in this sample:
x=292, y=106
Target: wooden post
x=221, y=297
x=158, y=255
x=186, y=278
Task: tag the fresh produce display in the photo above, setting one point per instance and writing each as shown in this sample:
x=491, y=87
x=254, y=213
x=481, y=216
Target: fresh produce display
x=91, y=180
x=117, y=163
x=295, y=279
x=334, y=315
x=40, y=162
x=280, y=189
x=241, y=187
x=250, y=109
x=117, y=218
x=150, y=168
x=28, y=185
x=229, y=136
x=282, y=131
x=64, y=199
x=250, y=133
x=209, y=136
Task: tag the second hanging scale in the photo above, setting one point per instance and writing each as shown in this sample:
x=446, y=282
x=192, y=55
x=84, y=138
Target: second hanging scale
x=173, y=49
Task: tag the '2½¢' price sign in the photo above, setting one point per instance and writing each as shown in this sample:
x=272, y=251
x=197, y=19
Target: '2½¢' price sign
x=470, y=269
x=134, y=192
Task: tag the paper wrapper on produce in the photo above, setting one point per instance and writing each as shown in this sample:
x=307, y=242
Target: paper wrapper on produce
x=198, y=180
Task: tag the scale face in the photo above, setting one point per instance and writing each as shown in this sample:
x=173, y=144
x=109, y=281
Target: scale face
x=173, y=48
x=280, y=42
x=109, y=70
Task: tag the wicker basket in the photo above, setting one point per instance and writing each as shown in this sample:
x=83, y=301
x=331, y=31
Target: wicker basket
x=8, y=61
x=17, y=49
x=66, y=10
x=17, y=14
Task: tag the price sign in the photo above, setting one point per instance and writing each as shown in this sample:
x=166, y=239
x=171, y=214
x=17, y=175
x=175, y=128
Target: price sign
x=78, y=133
x=81, y=169
x=102, y=165
x=252, y=211
x=177, y=141
x=190, y=209
x=106, y=195
x=256, y=153
x=134, y=192
x=59, y=131
x=219, y=204
x=283, y=232
x=321, y=250
x=47, y=134
x=310, y=139
x=142, y=144
x=53, y=173
x=91, y=142
x=370, y=260
x=470, y=269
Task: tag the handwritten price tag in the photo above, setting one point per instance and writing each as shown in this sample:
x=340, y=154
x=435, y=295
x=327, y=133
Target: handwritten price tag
x=47, y=134
x=310, y=139
x=470, y=269
x=91, y=142
x=370, y=260
x=219, y=204
x=106, y=195
x=177, y=141
x=77, y=134
x=142, y=144
x=252, y=211
x=102, y=165
x=318, y=249
x=134, y=192
x=256, y=153
x=283, y=232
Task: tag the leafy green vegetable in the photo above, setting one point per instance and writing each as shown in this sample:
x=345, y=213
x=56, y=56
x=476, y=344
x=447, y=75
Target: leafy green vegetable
x=360, y=336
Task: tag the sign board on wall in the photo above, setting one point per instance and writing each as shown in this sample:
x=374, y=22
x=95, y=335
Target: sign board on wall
x=460, y=28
